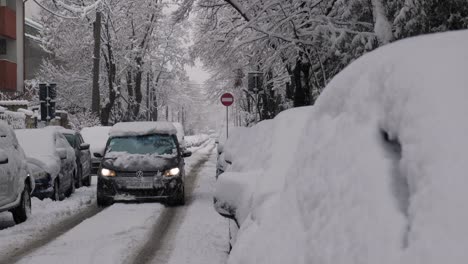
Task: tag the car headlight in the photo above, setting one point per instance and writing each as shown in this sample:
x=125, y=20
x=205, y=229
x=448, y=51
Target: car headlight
x=107, y=173
x=172, y=172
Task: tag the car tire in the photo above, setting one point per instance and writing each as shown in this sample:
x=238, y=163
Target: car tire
x=22, y=212
x=179, y=198
x=103, y=202
x=71, y=189
x=87, y=181
x=56, y=192
x=79, y=180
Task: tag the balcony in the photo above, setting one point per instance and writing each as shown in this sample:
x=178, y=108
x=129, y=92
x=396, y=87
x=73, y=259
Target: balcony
x=7, y=22
x=7, y=76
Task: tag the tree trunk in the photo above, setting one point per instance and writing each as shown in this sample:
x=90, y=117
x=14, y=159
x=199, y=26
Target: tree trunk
x=95, y=95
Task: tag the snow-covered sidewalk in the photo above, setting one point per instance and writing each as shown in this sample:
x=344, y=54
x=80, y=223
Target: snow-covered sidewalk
x=46, y=215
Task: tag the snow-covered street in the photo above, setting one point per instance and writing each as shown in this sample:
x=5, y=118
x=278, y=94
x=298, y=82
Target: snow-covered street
x=77, y=231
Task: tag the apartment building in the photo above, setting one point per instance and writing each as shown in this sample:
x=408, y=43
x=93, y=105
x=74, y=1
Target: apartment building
x=11, y=45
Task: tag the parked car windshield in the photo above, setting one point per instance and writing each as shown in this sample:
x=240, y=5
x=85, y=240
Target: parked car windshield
x=71, y=139
x=159, y=144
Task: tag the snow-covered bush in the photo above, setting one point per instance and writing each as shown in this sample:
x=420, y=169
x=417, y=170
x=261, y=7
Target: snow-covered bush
x=377, y=172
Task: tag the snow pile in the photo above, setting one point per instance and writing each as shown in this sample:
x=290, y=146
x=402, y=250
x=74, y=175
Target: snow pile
x=378, y=173
x=96, y=137
x=142, y=128
x=195, y=140
x=39, y=147
x=46, y=216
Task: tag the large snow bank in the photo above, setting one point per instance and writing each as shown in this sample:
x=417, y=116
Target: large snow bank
x=378, y=173
x=142, y=128
x=96, y=137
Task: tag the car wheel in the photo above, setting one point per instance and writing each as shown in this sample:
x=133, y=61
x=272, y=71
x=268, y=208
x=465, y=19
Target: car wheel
x=22, y=212
x=79, y=180
x=56, y=193
x=179, y=198
x=71, y=190
x=103, y=201
x=87, y=181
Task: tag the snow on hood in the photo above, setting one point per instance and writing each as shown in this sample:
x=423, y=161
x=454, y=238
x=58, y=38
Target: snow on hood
x=96, y=137
x=142, y=128
x=123, y=161
x=350, y=198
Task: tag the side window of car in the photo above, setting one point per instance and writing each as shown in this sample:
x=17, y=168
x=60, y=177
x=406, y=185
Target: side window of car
x=79, y=139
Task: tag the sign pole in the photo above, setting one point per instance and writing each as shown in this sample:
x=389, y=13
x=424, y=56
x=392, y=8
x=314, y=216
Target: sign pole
x=227, y=99
x=227, y=122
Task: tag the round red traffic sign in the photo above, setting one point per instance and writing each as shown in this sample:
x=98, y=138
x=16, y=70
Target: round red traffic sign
x=227, y=99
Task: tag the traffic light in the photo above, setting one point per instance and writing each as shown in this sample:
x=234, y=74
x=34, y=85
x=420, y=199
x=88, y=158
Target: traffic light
x=47, y=95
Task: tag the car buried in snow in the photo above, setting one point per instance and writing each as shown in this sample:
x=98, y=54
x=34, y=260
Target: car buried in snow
x=142, y=161
x=16, y=183
x=51, y=160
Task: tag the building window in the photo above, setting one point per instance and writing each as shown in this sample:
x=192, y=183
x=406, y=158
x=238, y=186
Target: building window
x=3, y=47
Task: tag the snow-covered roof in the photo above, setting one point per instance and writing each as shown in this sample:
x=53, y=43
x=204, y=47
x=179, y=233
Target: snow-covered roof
x=39, y=146
x=142, y=128
x=96, y=137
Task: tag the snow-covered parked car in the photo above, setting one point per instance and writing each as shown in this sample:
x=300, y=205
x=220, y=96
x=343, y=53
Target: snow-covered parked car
x=97, y=138
x=142, y=161
x=16, y=183
x=378, y=171
x=52, y=161
x=83, y=157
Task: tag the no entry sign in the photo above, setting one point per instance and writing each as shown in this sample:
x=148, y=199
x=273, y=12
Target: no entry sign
x=227, y=99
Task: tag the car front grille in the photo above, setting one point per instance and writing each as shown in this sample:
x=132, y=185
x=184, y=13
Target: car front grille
x=134, y=173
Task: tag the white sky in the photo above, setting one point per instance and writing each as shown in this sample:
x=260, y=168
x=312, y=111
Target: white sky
x=196, y=73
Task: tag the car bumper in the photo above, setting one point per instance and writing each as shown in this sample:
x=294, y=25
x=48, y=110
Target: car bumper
x=43, y=188
x=118, y=189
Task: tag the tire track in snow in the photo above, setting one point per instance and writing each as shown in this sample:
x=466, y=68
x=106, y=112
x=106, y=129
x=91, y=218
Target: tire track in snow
x=167, y=225
x=51, y=234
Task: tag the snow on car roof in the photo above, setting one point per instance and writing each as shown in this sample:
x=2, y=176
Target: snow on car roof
x=36, y=142
x=96, y=137
x=142, y=128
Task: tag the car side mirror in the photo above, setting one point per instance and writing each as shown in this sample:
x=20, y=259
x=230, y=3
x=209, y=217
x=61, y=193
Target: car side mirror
x=186, y=154
x=84, y=146
x=3, y=157
x=97, y=155
x=62, y=153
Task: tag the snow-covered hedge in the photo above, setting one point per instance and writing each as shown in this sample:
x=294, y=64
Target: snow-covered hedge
x=16, y=120
x=375, y=172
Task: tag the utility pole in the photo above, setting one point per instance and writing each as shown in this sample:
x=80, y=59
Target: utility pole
x=95, y=95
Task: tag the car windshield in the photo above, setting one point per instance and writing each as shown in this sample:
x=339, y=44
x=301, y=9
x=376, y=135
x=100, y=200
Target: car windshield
x=71, y=139
x=159, y=144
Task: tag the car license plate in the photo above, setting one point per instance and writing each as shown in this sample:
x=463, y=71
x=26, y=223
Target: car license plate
x=139, y=185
